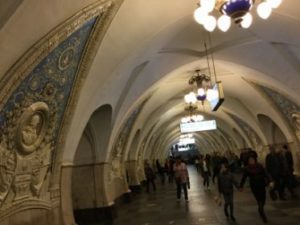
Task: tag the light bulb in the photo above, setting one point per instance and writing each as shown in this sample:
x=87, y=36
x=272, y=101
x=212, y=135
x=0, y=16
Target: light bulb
x=201, y=92
x=184, y=120
x=264, y=10
x=186, y=98
x=210, y=23
x=247, y=21
x=208, y=5
x=224, y=23
x=199, y=15
x=193, y=98
x=199, y=117
x=274, y=3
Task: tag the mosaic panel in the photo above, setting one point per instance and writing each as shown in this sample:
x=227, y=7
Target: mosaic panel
x=30, y=121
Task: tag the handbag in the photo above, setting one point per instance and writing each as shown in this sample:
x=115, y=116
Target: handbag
x=218, y=200
x=273, y=194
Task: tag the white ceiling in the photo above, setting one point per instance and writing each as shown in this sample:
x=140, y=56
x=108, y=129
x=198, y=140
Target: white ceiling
x=164, y=34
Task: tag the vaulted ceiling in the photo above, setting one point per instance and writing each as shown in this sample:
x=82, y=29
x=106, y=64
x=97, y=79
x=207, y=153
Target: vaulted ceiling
x=147, y=55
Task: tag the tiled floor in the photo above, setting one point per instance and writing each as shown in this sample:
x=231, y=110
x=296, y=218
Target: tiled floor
x=161, y=208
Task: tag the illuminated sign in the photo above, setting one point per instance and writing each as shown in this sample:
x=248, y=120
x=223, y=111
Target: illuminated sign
x=186, y=141
x=198, y=126
x=216, y=98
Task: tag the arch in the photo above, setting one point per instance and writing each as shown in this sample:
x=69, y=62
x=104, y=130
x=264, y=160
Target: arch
x=133, y=165
x=87, y=170
x=101, y=125
x=134, y=144
x=83, y=175
x=154, y=54
x=239, y=138
x=273, y=133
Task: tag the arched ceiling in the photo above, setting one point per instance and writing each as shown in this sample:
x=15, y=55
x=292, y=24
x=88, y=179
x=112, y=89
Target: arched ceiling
x=149, y=51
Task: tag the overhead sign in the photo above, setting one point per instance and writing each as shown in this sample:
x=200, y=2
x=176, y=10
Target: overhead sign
x=198, y=126
x=216, y=97
x=186, y=141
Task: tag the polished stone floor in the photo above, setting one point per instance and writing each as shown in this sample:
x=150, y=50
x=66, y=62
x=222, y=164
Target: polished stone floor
x=161, y=208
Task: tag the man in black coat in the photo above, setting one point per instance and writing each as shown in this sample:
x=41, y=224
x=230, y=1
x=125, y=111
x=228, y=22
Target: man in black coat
x=289, y=178
x=274, y=167
x=226, y=181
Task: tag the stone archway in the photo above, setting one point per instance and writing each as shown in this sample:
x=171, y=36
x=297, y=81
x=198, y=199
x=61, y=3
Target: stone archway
x=271, y=130
x=89, y=186
x=133, y=164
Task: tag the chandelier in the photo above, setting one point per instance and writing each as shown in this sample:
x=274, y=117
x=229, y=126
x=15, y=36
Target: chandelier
x=191, y=107
x=232, y=10
x=203, y=89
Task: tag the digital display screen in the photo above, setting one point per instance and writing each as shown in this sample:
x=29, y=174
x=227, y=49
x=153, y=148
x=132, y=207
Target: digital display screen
x=217, y=96
x=186, y=141
x=198, y=126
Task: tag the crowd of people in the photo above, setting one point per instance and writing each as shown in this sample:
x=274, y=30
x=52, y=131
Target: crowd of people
x=230, y=170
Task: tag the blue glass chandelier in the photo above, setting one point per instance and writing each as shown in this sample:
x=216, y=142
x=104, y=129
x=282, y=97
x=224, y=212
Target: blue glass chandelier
x=232, y=10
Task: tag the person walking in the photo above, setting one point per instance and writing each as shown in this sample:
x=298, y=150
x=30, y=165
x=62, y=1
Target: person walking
x=161, y=171
x=216, y=165
x=274, y=167
x=288, y=170
x=197, y=164
x=258, y=182
x=206, y=172
x=150, y=177
x=171, y=170
x=226, y=181
x=182, y=178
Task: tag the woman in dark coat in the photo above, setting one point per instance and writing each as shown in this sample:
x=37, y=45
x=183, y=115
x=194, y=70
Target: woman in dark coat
x=258, y=182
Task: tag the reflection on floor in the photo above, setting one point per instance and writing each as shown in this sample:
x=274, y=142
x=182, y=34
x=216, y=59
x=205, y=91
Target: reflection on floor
x=161, y=208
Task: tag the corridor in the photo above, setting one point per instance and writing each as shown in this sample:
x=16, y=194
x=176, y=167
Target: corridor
x=161, y=208
x=91, y=91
